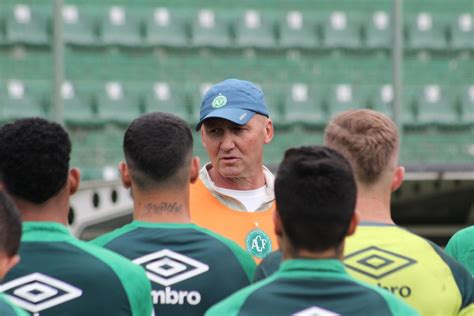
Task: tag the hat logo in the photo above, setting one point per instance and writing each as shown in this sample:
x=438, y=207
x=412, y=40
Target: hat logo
x=219, y=101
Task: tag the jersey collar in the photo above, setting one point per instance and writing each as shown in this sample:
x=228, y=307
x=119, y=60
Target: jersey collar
x=312, y=265
x=45, y=231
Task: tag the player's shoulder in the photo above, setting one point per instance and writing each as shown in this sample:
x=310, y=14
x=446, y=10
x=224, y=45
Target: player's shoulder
x=110, y=236
x=464, y=234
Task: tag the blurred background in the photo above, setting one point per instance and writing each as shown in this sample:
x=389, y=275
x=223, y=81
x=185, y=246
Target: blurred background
x=96, y=65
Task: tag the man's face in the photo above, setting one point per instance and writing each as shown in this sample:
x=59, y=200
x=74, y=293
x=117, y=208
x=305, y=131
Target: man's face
x=236, y=151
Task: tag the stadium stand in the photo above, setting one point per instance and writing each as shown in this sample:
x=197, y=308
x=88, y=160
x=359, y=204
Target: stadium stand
x=311, y=58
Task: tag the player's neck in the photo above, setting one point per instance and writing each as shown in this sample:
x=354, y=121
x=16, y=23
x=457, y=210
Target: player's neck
x=55, y=209
x=171, y=206
x=373, y=209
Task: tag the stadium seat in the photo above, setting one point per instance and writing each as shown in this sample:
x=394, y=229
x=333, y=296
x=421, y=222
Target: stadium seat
x=381, y=99
x=425, y=31
x=462, y=32
x=120, y=27
x=255, y=30
x=25, y=26
x=434, y=105
x=78, y=27
x=466, y=102
x=303, y=105
x=196, y=92
x=343, y=97
x=162, y=28
x=378, y=31
x=272, y=95
x=209, y=29
x=78, y=109
x=115, y=105
x=297, y=31
x=165, y=97
x=19, y=101
x=341, y=31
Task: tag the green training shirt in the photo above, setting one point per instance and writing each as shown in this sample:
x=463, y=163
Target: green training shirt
x=461, y=247
x=311, y=287
x=409, y=266
x=60, y=275
x=8, y=309
x=190, y=268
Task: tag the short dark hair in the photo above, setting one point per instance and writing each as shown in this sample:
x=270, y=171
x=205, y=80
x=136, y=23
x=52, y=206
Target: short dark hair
x=315, y=197
x=10, y=226
x=158, y=149
x=34, y=158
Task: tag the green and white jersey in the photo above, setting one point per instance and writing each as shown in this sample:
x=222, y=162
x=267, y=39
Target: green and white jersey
x=8, y=309
x=190, y=268
x=60, y=275
x=305, y=287
x=461, y=247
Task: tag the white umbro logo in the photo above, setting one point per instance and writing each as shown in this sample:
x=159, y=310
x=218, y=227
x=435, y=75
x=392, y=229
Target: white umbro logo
x=36, y=292
x=167, y=267
x=315, y=311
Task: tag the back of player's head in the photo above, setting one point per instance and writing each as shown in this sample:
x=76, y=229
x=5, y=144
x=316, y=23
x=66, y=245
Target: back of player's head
x=158, y=150
x=34, y=159
x=368, y=139
x=10, y=226
x=315, y=197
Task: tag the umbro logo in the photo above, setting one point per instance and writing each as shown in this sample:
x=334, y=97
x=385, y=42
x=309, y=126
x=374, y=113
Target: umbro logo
x=376, y=262
x=315, y=311
x=167, y=267
x=37, y=292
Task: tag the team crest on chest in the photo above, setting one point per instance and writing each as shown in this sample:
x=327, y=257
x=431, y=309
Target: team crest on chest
x=258, y=243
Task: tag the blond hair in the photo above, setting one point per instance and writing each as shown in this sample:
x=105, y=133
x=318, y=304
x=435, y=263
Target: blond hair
x=367, y=139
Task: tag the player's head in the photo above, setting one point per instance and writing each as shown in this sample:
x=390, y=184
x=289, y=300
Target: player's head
x=315, y=195
x=10, y=234
x=236, y=126
x=158, y=152
x=34, y=159
x=370, y=141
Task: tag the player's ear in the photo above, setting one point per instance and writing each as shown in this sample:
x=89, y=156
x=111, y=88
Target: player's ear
x=269, y=131
x=7, y=263
x=125, y=175
x=74, y=180
x=277, y=225
x=353, y=224
x=398, y=178
x=194, y=169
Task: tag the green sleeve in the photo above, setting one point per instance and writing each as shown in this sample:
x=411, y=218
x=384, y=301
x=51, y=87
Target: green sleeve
x=106, y=238
x=397, y=306
x=132, y=276
x=244, y=258
x=9, y=309
x=231, y=306
x=452, y=246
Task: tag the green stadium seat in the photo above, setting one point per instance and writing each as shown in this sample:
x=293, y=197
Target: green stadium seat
x=378, y=31
x=120, y=27
x=462, y=32
x=466, y=102
x=297, y=31
x=25, y=26
x=165, y=97
x=196, y=94
x=272, y=95
x=255, y=30
x=78, y=109
x=162, y=28
x=19, y=101
x=344, y=97
x=115, y=105
x=78, y=27
x=425, y=31
x=304, y=105
x=434, y=105
x=209, y=29
x=341, y=31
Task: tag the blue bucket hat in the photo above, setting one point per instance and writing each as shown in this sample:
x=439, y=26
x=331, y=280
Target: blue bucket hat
x=234, y=100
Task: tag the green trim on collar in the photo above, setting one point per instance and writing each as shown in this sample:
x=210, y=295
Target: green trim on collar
x=45, y=231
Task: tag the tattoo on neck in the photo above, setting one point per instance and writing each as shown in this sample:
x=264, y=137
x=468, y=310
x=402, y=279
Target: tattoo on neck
x=163, y=207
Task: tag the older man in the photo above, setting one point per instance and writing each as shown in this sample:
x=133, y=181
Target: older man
x=234, y=195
